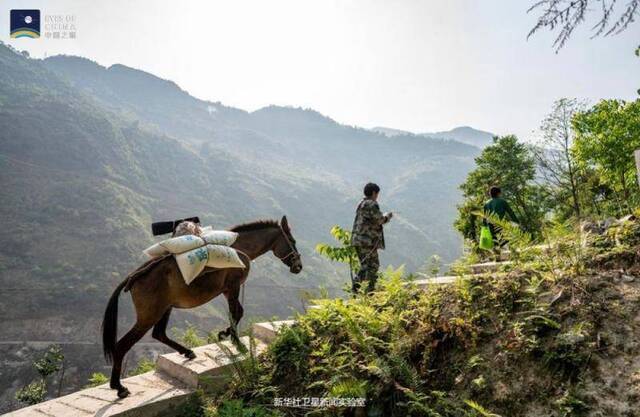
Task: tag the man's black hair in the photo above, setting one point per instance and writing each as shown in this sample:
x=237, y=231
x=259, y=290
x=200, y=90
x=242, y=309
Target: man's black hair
x=371, y=188
x=495, y=191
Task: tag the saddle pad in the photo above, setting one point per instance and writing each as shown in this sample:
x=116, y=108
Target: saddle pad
x=193, y=262
x=181, y=244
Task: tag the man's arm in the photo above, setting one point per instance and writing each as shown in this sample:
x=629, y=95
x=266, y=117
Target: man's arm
x=485, y=211
x=511, y=213
x=373, y=214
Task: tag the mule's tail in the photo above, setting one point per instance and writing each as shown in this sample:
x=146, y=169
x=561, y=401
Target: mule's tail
x=110, y=324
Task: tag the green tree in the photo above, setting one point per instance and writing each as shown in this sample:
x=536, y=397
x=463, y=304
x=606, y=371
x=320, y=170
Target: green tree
x=345, y=253
x=557, y=164
x=510, y=165
x=638, y=55
x=606, y=137
x=432, y=266
x=32, y=393
x=96, y=379
x=50, y=363
x=144, y=366
x=189, y=337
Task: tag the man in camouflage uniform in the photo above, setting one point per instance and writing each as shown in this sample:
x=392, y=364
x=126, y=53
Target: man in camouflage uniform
x=367, y=236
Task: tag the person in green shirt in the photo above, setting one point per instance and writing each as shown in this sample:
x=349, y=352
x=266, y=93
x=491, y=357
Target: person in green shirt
x=498, y=206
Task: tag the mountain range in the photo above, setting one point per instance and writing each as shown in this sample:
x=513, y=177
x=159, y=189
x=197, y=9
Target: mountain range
x=90, y=156
x=462, y=134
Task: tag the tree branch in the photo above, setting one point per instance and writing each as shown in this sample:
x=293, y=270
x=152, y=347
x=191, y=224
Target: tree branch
x=567, y=15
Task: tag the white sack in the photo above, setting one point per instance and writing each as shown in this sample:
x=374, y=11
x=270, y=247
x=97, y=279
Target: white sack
x=182, y=244
x=174, y=245
x=155, y=251
x=223, y=257
x=193, y=262
x=219, y=237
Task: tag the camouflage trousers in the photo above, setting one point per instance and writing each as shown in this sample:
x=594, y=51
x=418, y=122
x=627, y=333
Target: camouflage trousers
x=369, y=265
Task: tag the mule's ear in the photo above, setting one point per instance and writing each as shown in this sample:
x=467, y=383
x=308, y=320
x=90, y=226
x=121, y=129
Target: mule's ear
x=284, y=223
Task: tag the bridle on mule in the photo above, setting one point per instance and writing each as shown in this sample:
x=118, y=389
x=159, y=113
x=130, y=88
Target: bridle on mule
x=292, y=249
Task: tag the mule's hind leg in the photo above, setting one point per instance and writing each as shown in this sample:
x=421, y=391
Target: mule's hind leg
x=160, y=334
x=122, y=347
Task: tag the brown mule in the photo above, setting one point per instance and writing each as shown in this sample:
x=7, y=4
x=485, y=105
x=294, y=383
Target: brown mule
x=157, y=287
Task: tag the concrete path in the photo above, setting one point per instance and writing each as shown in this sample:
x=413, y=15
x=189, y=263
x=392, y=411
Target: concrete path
x=156, y=393
x=151, y=394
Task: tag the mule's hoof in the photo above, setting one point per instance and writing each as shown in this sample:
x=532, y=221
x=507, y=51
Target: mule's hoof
x=222, y=334
x=189, y=354
x=123, y=392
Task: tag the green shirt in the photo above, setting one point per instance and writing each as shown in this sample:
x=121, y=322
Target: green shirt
x=499, y=207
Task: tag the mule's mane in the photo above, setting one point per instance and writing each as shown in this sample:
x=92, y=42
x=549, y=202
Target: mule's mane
x=257, y=225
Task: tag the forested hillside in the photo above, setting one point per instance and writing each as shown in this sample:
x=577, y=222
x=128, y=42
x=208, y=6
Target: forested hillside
x=90, y=156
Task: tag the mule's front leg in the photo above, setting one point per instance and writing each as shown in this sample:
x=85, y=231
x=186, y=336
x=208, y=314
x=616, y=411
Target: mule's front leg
x=236, y=311
x=160, y=333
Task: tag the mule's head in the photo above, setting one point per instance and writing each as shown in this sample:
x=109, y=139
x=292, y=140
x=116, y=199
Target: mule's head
x=285, y=248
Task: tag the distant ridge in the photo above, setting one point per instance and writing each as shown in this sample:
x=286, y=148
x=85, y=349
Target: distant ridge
x=391, y=132
x=463, y=134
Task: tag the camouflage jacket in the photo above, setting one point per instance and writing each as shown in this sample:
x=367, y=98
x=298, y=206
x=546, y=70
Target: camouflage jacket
x=367, y=226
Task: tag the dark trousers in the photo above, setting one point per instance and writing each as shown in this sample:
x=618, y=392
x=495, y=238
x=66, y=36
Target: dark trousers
x=369, y=265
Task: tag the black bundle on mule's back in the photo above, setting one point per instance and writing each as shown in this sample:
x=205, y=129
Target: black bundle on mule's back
x=162, y=228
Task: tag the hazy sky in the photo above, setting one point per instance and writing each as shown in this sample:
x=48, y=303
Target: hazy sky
x=419, y=65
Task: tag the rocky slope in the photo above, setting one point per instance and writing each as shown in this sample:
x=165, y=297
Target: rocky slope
x=555, y=333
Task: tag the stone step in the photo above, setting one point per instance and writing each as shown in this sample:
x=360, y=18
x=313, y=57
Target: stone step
x=266, y=331
x=488, y=267
x=212, y=365
x=544, y=248
x=316, y=303
x=428, y=281
x=152, y=394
